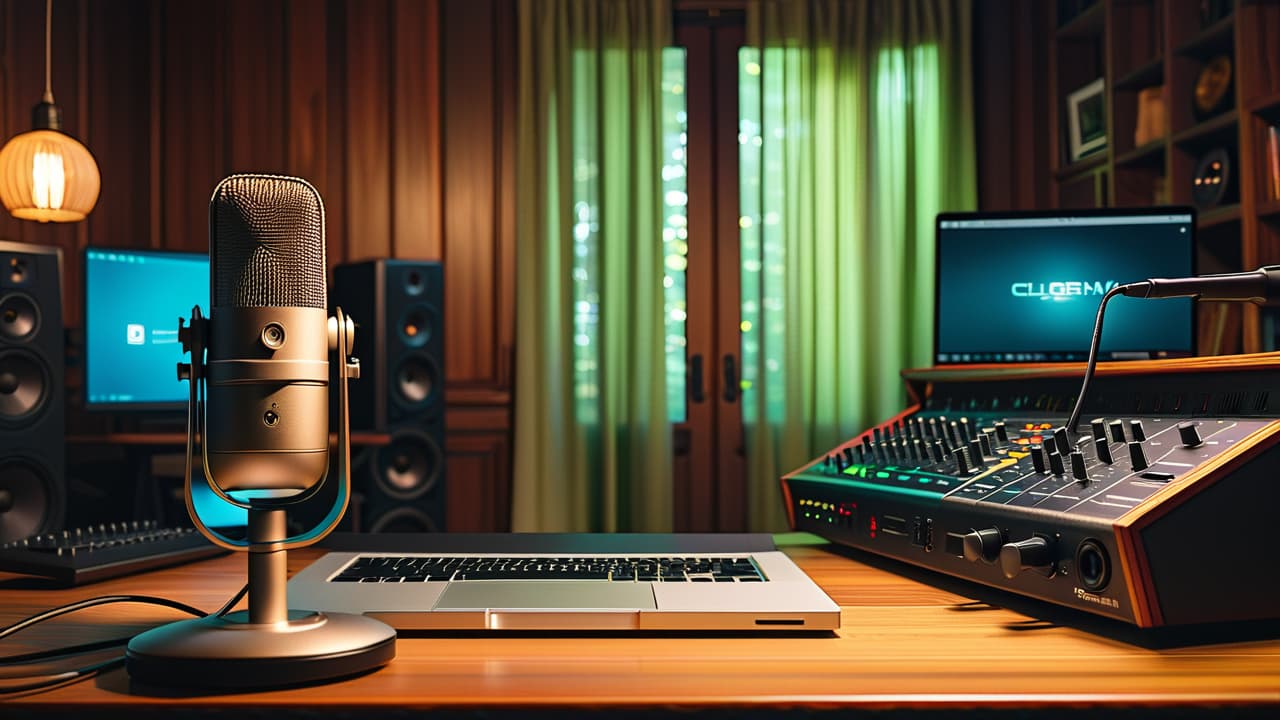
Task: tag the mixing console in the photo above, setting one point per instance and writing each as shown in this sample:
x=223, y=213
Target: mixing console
x=1154, y=516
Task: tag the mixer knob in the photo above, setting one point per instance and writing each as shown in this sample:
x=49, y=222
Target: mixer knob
x=1061, y=440
x=1055, y=461
x=1137, y=456
x=1078, y=470
x=1034, y=553
x=962, y=465
x=1189, y=435
x=1037, y=458
x=938, y=452
x=1104, y=449
x=1117, y=431
x=1135, y=429
x=983, y=545
x=879, y=436
x=918, y=449
x=966, y=429
x=953, y=433
x=848, y=455
x=975, y=451
x=1002, y=432
x=1099, y=428
x=985, y=440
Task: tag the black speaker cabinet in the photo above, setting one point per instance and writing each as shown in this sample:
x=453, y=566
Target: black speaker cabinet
x=32, y=412
x=398, y=308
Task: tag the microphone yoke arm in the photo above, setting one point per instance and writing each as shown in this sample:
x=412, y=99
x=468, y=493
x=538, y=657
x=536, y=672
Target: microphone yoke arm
x=341, y=337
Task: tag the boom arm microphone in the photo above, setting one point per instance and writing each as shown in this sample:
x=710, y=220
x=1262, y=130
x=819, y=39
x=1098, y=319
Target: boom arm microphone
x=262, y=357
x=1258, y=286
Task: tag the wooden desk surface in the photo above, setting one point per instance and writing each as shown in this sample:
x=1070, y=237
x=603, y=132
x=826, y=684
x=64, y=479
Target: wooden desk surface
x=903, y=644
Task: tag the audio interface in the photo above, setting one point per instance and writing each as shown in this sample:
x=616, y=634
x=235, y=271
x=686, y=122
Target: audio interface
x=1157, y=510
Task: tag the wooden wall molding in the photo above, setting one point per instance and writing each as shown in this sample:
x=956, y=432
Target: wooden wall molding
x=404, y=127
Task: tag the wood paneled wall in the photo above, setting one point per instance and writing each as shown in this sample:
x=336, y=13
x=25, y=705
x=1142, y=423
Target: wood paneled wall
x=397, y=111
x=1011, y=105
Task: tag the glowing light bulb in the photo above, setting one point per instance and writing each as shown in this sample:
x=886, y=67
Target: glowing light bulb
x=48, y=180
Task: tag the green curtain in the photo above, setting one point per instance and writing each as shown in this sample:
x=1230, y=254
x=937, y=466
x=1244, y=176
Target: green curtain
x=592, y=439
x=857, y=129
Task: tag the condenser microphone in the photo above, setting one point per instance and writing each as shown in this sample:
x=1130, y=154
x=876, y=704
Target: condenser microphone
x=262, y=359
x=267, y=411
x=1258, y=286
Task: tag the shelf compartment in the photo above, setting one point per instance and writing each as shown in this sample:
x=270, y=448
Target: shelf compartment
x=1269, y=210
x=1216, y=130
x=1087, y=25
x=1218, y=216
x=1213, y=40
x=1082, y=166
x=1145, y=75
x=1151, y=154
x=1267, y=107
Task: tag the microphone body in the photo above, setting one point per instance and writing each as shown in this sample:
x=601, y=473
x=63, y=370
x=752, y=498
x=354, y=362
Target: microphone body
x=263, y=357
x=1259, y=286
x=266, y=416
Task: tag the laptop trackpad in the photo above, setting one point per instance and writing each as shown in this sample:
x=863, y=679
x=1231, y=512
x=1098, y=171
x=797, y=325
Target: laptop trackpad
x=551, y=594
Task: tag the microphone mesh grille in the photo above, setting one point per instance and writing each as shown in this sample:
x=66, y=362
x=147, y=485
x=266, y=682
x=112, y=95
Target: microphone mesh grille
x=266, y=243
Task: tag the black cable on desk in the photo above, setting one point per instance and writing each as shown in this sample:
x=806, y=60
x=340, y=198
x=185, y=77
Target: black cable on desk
x=57, y=679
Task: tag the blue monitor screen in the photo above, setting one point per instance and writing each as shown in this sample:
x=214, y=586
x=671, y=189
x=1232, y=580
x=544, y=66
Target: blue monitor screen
x=133, y=299
x=1026, y=287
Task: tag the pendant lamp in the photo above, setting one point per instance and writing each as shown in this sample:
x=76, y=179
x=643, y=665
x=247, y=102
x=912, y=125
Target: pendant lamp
x=45, y=174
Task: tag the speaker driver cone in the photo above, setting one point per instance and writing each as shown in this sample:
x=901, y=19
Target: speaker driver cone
x=409, y=466
x=19, y=317
x=415, y=381
x=24, y=499
x=416, y=324
x=402, y=520
x=24, y=385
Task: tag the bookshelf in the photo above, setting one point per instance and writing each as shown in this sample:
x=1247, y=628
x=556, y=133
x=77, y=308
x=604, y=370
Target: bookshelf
x=1160, y=47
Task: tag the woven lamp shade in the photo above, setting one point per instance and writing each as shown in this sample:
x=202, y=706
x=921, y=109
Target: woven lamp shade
x=48, y=176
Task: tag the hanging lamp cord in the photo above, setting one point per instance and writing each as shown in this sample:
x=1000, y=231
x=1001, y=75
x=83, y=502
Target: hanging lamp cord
x=48, y=53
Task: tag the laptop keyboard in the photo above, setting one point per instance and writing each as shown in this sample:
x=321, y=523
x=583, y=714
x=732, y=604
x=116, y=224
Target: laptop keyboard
x=419, y=568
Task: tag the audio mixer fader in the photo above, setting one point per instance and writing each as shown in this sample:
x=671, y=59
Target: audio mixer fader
x=1156, y=510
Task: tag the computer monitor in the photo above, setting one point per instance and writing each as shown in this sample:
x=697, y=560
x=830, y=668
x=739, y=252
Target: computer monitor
x=1025, y=287
x=133, y=299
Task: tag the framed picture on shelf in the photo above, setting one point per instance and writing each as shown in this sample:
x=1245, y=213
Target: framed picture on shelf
x=1087, y=119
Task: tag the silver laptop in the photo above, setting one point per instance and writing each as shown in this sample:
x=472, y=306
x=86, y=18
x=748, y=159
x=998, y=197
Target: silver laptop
x=565, y=582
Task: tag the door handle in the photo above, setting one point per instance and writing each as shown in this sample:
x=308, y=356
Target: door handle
x=730, y=378
x=696, y=392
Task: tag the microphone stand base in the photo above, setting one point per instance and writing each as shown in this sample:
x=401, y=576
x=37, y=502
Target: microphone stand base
x=229, y=652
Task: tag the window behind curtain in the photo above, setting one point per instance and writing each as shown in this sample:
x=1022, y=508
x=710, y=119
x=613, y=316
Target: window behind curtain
x=586, y=227
x=761, y=133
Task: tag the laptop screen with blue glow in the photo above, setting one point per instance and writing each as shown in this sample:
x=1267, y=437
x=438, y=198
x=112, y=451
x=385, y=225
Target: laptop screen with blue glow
x=1026, y=287
x=133, y=299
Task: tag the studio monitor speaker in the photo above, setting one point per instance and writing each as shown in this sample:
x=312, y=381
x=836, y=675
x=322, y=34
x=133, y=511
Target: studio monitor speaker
x=32, y=421
x=398, y=307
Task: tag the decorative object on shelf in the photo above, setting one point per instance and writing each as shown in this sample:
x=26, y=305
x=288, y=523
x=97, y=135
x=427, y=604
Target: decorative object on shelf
x=1273, y=161
x=1212, y=182
x=1211, y=11
x=1150, y=125
x=45, y=174
x=1213, y=87
x=1087, y=119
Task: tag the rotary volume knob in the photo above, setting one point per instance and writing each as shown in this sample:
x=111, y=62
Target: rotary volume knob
x=982, y=545
x=1034, y=553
